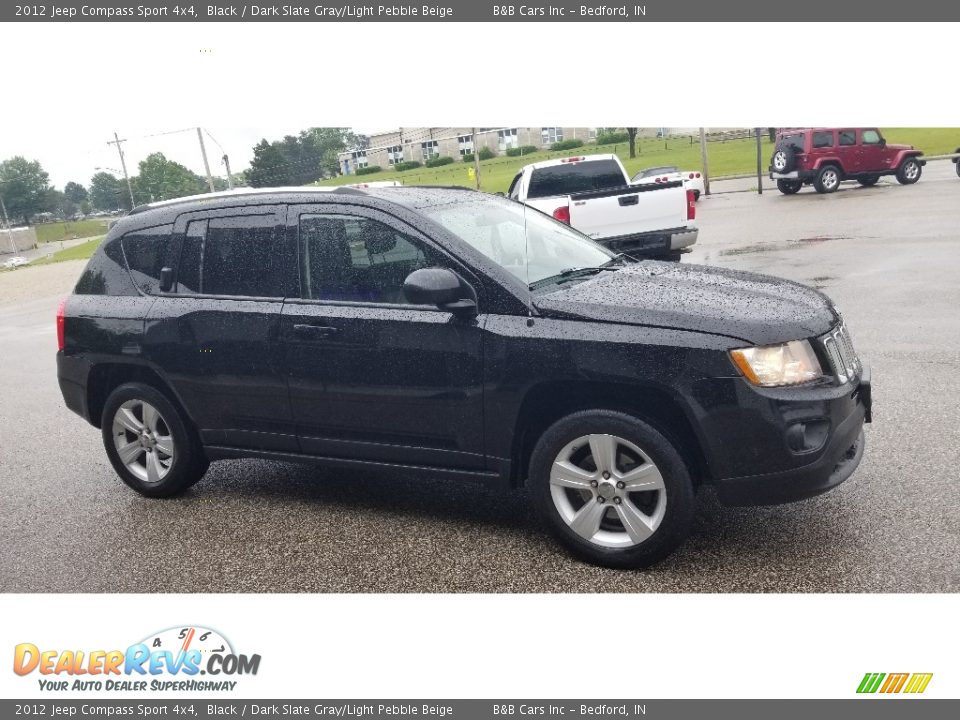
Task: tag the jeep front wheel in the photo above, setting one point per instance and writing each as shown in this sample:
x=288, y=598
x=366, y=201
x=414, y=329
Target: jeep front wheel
x=612, y=489
x=868, y=180
x=789, y=187
x=908, y=172
x=828, y=179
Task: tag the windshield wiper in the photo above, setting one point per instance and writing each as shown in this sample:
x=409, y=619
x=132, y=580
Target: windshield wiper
x=572, y=274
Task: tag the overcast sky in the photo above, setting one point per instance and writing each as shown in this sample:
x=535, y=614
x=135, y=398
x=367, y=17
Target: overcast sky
x=77, y=156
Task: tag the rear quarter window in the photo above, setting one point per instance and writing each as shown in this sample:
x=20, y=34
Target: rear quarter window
x=795, y=141
x=146, y=252
x=823, y=139
x=572, y=178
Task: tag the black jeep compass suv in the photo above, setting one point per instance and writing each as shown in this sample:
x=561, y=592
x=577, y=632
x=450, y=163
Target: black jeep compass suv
x=446, y=332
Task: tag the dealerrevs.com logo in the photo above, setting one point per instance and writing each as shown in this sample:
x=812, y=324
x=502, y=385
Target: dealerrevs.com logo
x=181, y=659
x=892, y=683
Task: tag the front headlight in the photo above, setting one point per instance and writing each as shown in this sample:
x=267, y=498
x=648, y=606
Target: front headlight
x=790, y=363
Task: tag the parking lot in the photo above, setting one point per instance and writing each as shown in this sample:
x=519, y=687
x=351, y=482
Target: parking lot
x=889, y=256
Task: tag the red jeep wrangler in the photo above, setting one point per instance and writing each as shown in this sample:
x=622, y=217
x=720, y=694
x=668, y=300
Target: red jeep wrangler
x=824, y=157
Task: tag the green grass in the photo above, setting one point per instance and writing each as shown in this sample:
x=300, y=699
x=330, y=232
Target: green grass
x=734, y=157
x=83, y=251
x=55, y=231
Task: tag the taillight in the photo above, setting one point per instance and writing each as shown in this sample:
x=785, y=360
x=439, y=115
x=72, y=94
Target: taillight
x=691, y=176
x=562, y=214
x=573, y=159
x=697, y=174
x=60, y=311
x=691, y=205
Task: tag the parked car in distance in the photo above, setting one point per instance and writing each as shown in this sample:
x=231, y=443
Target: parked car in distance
x=692, y=179
x=16, y=262
x=593, y=194
x=825, y=157
x=446, y=333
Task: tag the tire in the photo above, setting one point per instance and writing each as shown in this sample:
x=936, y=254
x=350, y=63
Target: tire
x=659, y=519
x=696, y=195
x=828, y=179
x=789, y=187
x=784, y=159
x=909, y=171
x=868, y=180
x=956, y=162
x=150, y=443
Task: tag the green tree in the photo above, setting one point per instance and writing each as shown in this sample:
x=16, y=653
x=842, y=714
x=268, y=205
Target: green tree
x=23, y=185
x=75, y=192
x=269, y=166
x=108, y=192
x=162, y=179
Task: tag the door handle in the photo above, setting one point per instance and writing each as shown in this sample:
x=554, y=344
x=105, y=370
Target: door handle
x=314, y=332
x=629, y=199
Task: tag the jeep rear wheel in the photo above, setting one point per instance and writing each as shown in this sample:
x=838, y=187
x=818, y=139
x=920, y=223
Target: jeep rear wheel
x=908, y=172
x=828, y=179
x=868, y=180
x=784, y=159
x=612, y=489
x=789, y=187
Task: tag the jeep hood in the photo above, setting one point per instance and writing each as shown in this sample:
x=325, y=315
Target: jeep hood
x=757, y=309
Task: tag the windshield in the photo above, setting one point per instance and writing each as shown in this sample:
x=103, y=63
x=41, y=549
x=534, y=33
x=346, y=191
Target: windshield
x=524, y=241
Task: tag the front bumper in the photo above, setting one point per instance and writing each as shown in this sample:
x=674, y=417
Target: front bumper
x=818, y=470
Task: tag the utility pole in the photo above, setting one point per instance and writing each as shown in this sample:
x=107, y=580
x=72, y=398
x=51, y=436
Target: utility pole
x=123, y=163
x=759, y=163
x=226, y=162
x=206, y=163
x=703, y=160
x=476, y=156
x=6, y=224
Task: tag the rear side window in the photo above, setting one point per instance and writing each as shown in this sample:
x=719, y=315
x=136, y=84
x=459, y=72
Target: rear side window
x=237, y=256
x=571, y=178
x=146, y=252
x=794, y=141
x=848, y=137
x=822, y=139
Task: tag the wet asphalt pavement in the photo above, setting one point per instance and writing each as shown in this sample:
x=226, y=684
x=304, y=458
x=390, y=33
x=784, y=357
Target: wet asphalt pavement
x=889, y=256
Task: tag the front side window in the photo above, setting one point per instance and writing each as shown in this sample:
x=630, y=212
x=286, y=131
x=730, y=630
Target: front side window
x=848, y=137
x=234, y=256
x=146, y=251
x=524, y=241
x=354, y=259
x=871, y=137
x=823, y=139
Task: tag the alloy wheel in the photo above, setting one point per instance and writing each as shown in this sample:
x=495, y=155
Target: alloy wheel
x=143, y=441
x=608, y=491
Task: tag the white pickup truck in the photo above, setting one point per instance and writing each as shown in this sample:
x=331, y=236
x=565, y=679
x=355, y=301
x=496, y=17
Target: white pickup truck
x=592, y=194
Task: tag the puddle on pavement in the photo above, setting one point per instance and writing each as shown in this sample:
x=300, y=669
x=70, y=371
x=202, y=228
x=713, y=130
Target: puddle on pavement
x=777, y=247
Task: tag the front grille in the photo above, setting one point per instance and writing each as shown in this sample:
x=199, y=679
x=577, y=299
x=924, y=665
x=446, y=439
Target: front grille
x=838, y=347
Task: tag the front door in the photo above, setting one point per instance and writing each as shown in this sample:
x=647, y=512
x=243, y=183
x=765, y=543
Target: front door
x=372, y=376
x=873, y=152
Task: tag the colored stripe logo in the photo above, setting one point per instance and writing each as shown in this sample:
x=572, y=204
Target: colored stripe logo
x=913, y=683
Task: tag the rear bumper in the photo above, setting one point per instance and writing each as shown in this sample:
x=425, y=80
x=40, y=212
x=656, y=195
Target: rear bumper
x=802, y=175
x=72, y=373
x=829, y=466
x=651, y=244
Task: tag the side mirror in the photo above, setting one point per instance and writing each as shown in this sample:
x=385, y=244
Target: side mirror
x=166, y=279
x=440, y=287
x=883, y=142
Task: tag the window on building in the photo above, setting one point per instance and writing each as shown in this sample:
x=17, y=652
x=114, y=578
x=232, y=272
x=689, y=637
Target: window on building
x=232, y=256
x=146, y=252
x=550, y=135
x=466, y=144
x=508, y=138
x=430, y=149
x=360, y=158
x=395, y=154
x=355, y=259
x=592, y=133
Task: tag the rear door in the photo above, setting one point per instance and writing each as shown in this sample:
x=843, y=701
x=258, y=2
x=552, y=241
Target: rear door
x=372, y=376
x=216, y=333
x=849, y=151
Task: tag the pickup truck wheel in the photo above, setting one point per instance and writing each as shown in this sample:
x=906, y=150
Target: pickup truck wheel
x=828, y=179
x=612, y=488
x=909, y=171
x=789, y=187
x=784, y=159
x=868, y=180
x=149, y=442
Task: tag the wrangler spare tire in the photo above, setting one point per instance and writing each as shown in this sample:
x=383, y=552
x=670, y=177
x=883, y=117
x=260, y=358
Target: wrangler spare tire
x=784, y=159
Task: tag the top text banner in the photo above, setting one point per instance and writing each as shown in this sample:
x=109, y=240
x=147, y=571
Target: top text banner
x=857, y=11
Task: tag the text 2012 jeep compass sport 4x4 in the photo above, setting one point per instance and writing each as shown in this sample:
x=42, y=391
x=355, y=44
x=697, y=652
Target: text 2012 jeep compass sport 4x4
x=824, y=157
x=445, y=332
